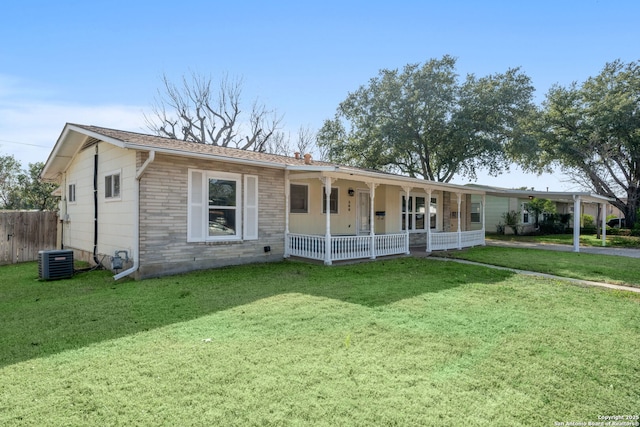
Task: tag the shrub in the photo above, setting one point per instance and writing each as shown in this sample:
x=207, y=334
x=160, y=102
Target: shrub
x=587, y=221
x=554, y=223
x=511, y=220
x=564, y=219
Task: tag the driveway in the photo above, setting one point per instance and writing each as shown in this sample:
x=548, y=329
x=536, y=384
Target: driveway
x=631, y=253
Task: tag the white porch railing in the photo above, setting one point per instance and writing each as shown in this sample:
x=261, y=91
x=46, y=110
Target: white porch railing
x=391, y=244
x=350, y=247
x=354, y=247
x=345, y=247
x=306, y=246
x=449, y=240
x=443, y=241
x=472, y=238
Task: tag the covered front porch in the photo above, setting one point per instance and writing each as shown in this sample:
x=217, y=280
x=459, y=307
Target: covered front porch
x=374, y=216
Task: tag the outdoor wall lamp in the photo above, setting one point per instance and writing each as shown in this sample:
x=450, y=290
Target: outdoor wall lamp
x=350, y=192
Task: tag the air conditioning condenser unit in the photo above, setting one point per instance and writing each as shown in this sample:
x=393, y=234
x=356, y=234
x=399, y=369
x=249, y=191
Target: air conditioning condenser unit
x=54, y=265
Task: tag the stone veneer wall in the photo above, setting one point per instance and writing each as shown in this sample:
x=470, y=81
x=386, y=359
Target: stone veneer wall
x=446, y=211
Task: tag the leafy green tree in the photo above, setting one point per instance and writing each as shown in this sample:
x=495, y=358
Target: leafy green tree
x=21, y=189
x=592, y=131
x=35, y=193
x=424, y=122
x=540, y=206
x=9, y=171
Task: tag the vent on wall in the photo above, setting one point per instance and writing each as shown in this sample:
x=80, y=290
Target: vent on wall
x=54, y=265
x=90, y=142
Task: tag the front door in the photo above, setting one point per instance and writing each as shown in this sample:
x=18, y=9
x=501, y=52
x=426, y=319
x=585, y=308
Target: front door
x=363, y=212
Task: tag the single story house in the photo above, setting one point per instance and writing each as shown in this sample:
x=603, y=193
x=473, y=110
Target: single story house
x=146, y=206
x=498, y=200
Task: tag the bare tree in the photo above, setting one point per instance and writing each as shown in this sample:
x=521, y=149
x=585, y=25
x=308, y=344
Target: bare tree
x=281, y=143
x=306, y=140
x=195, y=112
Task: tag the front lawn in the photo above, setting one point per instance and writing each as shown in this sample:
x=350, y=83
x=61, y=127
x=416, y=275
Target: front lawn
x=399, y=342
x=567, y=239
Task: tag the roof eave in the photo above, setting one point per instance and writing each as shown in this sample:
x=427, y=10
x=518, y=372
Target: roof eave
x=191, y=154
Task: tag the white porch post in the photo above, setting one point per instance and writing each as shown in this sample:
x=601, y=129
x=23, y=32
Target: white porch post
x=428, y=220
x=327, y=235
x=407, y=190
x=484, y=231
x=372, y=226
x=603, y=208
x=459, y=230
x=286, y=214
x=576, y=223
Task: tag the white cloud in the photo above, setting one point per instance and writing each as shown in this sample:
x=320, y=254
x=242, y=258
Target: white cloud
x=29, y=130
x=33, y=114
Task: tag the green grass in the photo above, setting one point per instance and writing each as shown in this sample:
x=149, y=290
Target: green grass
x=399, y=342
x=567, y=239
x=594, y=267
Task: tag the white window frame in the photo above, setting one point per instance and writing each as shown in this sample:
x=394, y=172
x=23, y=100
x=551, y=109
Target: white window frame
x=526, y=215
x=413, y=213
x=306, y=210
x=324, y=200
x=246, y=226
x=436, y=203
x=71, y=193
x=478, y=206
x=111, y=174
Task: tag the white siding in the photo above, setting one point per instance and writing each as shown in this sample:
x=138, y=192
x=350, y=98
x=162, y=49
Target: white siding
x=115, y=218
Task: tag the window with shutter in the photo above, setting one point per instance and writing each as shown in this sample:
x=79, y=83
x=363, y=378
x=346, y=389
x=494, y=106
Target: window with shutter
x=216, y=211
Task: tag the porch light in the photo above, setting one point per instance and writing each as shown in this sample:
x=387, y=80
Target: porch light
x=351, y=192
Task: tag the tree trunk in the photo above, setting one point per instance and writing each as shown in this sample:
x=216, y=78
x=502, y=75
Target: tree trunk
x=631, y=209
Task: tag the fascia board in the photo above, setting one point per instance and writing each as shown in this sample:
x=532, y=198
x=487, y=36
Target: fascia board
x=205, y=156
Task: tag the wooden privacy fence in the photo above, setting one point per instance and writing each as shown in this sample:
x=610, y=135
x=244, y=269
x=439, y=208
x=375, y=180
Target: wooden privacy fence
x=24, y=233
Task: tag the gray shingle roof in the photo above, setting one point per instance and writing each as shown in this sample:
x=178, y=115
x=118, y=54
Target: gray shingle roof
x=186, y=148
x=70, y=141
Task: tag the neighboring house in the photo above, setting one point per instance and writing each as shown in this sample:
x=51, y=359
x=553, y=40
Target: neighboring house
x=501, y=200
x=168, y=206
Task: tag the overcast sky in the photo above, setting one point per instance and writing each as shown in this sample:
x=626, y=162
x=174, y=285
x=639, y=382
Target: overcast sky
x=100, y=62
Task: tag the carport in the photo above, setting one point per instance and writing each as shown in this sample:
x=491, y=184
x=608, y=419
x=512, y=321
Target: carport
x=578, y=199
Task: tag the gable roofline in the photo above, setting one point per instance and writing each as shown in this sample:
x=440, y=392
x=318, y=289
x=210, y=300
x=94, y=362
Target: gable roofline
x=74, y=136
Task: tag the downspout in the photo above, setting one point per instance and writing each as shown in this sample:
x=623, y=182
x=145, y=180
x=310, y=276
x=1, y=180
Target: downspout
x=136, y=219
x=95, y=207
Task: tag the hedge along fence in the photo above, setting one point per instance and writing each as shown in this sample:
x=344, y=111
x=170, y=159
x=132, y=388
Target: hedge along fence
x=24, y=233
